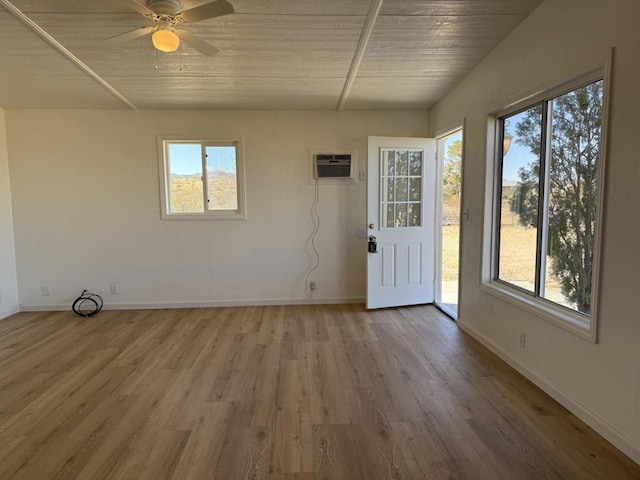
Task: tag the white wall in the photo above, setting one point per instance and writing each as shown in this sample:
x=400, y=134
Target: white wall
x=9, y=303
x=601, y=383
x=87, y=208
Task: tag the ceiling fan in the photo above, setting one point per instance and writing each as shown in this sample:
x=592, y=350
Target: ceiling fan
x=166, y=15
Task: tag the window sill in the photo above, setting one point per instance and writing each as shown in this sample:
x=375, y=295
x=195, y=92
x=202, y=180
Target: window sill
x=573, y=322
x=204, y=216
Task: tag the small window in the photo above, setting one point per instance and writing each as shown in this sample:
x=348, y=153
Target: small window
x=201, y=179
x=548, y=186
x=401, y=188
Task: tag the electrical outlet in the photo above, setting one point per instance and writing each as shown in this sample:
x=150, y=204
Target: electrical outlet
x=312, y=285
x=45, y=291
x=0, y=297
x=114, y=289
x=523, y=340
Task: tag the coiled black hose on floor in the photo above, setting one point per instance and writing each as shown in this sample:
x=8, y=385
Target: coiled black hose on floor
x=87, y=304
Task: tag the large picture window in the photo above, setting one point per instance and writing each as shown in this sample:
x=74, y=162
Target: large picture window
x=547, y=201
x=201, y=179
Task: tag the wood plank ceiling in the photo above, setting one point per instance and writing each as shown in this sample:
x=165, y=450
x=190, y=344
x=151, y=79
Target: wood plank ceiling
x=276, y=54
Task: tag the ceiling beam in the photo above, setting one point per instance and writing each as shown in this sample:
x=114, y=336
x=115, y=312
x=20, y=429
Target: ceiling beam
x=62, y=49
x=374, y=9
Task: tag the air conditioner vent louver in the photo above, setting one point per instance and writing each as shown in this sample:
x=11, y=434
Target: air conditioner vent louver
x=333, y=156
x=333, y=165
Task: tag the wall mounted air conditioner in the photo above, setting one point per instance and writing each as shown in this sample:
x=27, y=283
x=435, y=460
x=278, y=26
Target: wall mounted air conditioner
x=333, y=165
x=337, y=166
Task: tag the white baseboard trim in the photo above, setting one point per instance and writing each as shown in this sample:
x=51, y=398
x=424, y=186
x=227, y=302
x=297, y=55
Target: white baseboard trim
x=8, y=312
x=220, y=303
x=601, y=426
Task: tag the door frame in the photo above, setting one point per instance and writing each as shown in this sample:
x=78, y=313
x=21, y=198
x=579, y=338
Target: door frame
x=440, y=135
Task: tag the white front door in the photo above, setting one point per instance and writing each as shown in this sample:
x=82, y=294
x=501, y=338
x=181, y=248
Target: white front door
x=401, y=194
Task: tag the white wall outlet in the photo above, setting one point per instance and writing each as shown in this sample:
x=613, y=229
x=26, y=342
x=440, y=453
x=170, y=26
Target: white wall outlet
x=114, y=289
x=0, y=297
x=523, y=340
x=45, y=291
x=312, y=285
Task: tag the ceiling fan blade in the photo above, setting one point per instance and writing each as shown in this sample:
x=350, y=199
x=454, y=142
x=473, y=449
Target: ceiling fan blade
x=194, y=41
x=208, y=10
x=138, y=7
x=125, y=37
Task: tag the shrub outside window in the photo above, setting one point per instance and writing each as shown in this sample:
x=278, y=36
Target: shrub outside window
x=201, y=179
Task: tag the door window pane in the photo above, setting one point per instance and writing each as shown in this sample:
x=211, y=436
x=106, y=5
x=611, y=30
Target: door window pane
x=402, y=163
x=401, y=188
x=415, y=188
x=389, y=162
x=414, y=215
x=401, y=215
x=390, y=190
x=415, y=164
x=390, y=216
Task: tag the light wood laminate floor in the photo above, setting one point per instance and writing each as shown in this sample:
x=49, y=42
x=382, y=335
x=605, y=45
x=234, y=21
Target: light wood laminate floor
x=295, y=392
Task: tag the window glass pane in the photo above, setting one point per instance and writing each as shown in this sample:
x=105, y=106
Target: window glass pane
x=390, y=216
x=573, y=196
x=389, y=163
x=519, y=198
x=401, y=189
x=387, y=189
x=222, y=179
x=401, y=215
x=415, y=187
x=415, y=164
x=185, y=178
x=402, y=163
x=414, y=215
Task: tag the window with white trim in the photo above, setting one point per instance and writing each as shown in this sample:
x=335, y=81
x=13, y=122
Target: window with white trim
x=547, y=201
x=201, y=179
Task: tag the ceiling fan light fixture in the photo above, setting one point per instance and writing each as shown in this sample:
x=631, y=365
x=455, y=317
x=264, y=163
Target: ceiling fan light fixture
x=165, y=40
